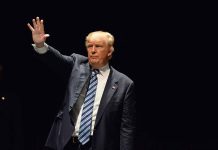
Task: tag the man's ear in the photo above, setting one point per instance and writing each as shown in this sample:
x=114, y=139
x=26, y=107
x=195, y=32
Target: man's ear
x=109, y=54
x=111, y=51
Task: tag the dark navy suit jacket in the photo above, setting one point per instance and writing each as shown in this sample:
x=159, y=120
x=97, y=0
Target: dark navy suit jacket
x=115, y=123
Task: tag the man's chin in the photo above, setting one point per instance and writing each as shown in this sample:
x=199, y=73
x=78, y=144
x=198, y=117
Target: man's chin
x=93, y=63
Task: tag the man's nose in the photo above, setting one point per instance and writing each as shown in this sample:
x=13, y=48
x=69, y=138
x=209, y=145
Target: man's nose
x=93, y=49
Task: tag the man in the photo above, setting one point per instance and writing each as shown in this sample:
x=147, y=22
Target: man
x=113, y=111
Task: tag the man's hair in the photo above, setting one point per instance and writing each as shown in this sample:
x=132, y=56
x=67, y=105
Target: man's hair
x=109, y=36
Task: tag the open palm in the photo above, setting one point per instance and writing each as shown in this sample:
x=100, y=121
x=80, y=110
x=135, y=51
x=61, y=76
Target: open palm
x=38, y=32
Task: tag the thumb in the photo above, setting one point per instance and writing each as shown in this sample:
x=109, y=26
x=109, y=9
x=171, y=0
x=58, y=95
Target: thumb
x=46, y=35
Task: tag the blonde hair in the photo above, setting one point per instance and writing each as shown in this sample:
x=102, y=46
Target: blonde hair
x=109, y=36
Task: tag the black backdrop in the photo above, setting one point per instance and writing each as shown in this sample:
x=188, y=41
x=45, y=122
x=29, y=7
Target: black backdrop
x=155, y=46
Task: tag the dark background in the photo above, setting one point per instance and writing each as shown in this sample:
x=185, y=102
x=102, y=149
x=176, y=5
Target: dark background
x=158, y=45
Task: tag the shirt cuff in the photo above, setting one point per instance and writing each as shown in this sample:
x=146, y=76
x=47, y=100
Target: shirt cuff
x=41, y=50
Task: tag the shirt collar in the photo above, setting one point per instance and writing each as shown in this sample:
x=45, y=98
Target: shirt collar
x=104, y=69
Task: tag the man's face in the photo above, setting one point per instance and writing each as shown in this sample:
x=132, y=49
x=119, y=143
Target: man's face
x=99, y=52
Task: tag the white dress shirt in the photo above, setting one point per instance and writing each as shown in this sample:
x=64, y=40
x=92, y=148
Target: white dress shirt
x=102, y=79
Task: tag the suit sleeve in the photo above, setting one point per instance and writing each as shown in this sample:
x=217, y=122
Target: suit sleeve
x=128, y=120
x=58, y=62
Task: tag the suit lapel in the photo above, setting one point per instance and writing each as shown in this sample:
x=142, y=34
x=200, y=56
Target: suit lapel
x=109, y=91
x=83, y=76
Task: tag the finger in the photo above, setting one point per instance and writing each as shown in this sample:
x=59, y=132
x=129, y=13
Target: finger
x=37, y=20
x=38, y=23
x=30, y=27
x=42, y=25
x=34, y=24
x=46, y=35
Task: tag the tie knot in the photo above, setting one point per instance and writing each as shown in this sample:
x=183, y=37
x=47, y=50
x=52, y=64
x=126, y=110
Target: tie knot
x=95, y=72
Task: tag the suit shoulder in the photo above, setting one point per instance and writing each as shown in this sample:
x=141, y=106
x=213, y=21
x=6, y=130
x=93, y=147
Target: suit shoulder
x=122, y=76
x=79, y=57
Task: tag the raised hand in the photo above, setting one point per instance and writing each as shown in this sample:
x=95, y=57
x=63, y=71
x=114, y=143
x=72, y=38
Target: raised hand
x=38, y=32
